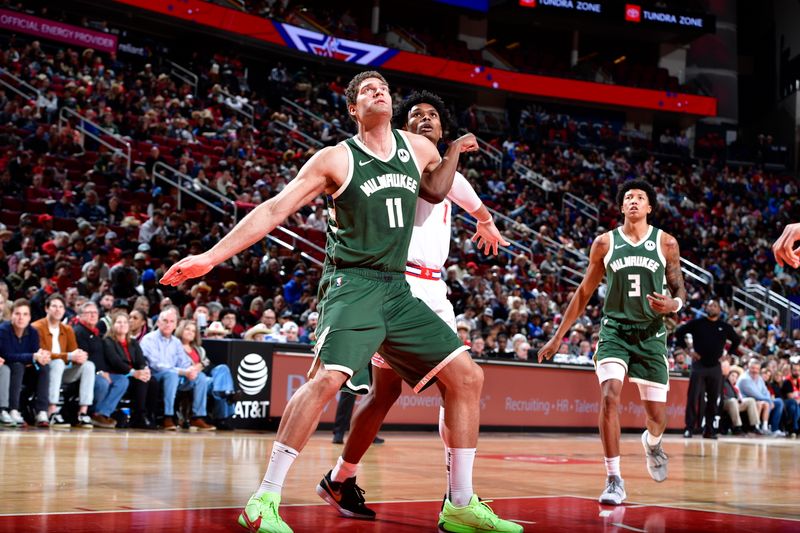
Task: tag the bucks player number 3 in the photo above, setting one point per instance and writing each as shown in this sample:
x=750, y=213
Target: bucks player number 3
x=636, y=285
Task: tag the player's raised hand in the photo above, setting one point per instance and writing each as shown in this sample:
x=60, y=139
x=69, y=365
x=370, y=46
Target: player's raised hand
x=189, y=267
x=488, y=237
x=784, y=250
x=547, y=351
x=661, y=303
x=468, y=143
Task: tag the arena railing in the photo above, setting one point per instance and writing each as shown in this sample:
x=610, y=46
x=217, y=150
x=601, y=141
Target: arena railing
x=309, y=113
x=67, y=115
x=246, y=108
x=580, y=205
x=696, y=272
x=567, y=273
x=306, y=136
x=185, y=75
x=18, y=85
x=299, y=238
x=769, y=302
x=179, y=184
x=288, y=246
x=492, y=153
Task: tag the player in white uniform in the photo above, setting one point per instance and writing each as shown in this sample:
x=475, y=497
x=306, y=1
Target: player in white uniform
x=430, y=244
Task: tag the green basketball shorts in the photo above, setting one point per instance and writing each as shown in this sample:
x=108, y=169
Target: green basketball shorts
x=642, y=352
x=364, y=311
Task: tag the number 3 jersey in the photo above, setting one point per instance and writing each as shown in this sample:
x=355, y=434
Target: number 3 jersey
x=634, y=270
x=371, y=216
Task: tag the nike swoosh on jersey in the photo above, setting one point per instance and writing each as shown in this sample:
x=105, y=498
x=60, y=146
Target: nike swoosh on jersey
x=661, y=334
x=617, y=247
x=362, y=163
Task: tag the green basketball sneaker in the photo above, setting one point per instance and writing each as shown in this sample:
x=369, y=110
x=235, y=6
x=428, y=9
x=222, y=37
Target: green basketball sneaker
x=476, y=517
x=260, y=515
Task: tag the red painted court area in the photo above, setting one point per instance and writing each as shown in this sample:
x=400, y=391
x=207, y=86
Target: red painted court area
x=535, y=514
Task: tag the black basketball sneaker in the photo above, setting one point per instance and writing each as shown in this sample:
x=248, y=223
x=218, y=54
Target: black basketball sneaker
x=345, y=496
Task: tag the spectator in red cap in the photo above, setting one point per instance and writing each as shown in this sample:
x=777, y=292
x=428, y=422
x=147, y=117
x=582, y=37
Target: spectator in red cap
x=64, y=208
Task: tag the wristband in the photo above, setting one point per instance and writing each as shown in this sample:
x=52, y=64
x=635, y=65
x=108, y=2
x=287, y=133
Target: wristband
x=680, y=304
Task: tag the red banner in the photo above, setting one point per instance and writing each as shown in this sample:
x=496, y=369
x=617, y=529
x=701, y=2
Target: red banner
x=57, y=31
x=514, y=395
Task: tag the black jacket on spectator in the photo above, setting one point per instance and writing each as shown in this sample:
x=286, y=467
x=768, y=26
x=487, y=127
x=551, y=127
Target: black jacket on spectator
x=708, y=339
x=91, y=343
x=117, y=361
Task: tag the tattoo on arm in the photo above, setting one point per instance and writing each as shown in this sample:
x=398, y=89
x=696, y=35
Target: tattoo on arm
x=673, y=272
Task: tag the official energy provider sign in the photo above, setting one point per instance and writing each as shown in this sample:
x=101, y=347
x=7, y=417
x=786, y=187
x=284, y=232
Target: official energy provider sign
x=57, y=31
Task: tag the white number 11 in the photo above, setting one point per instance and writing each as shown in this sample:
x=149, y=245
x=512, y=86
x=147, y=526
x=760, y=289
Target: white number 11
x=398, y=208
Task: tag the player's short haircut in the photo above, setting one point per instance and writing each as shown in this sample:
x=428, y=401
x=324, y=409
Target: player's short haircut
x=421, y=97
x=351, y=92
x=641, y=185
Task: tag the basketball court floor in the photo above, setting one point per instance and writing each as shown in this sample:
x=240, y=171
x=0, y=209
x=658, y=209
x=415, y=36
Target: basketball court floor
x=97, y=481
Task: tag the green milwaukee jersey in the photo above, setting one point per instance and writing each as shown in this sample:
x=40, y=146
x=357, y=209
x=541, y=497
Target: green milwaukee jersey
x=371, y=216
x=632, y=272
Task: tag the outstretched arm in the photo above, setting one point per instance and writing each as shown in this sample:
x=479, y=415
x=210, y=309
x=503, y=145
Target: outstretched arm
x=661, y=303
x=487, y=235
x=313, y=179
x=438, y=172
x=594, y=275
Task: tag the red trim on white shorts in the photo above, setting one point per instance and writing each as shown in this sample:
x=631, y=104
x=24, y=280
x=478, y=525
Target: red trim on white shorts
x=419, y=271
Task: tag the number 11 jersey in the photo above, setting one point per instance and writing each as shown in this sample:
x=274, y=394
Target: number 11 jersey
x=371, y=216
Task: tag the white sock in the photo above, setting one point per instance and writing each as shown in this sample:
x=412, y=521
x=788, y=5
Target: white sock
x=612, y=466
x=653, y=441
x=461, y=460
x=279, y=463
x=765, y=426
x=343, y=470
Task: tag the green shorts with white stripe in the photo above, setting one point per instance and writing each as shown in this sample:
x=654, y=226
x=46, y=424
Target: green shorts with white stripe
x=365, y=311
x=641, y=349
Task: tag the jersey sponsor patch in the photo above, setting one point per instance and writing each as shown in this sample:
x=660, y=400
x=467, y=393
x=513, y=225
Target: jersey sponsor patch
x=403, y=154
x=649, y=246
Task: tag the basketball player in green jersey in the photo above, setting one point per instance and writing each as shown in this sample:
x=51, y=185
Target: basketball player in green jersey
x=365, y=304
x=640, y=262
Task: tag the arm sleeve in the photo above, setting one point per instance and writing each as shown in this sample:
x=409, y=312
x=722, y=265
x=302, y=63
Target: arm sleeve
x=463, y=195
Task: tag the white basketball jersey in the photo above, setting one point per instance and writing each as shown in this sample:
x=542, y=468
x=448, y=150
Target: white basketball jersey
x=430, y=241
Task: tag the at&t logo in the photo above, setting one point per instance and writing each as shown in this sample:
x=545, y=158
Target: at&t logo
x=252, y=374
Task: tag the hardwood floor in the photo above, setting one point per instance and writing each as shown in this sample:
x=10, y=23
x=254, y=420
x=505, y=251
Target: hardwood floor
x=74, y=471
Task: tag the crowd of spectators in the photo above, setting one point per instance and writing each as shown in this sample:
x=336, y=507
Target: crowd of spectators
x=80, y=225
